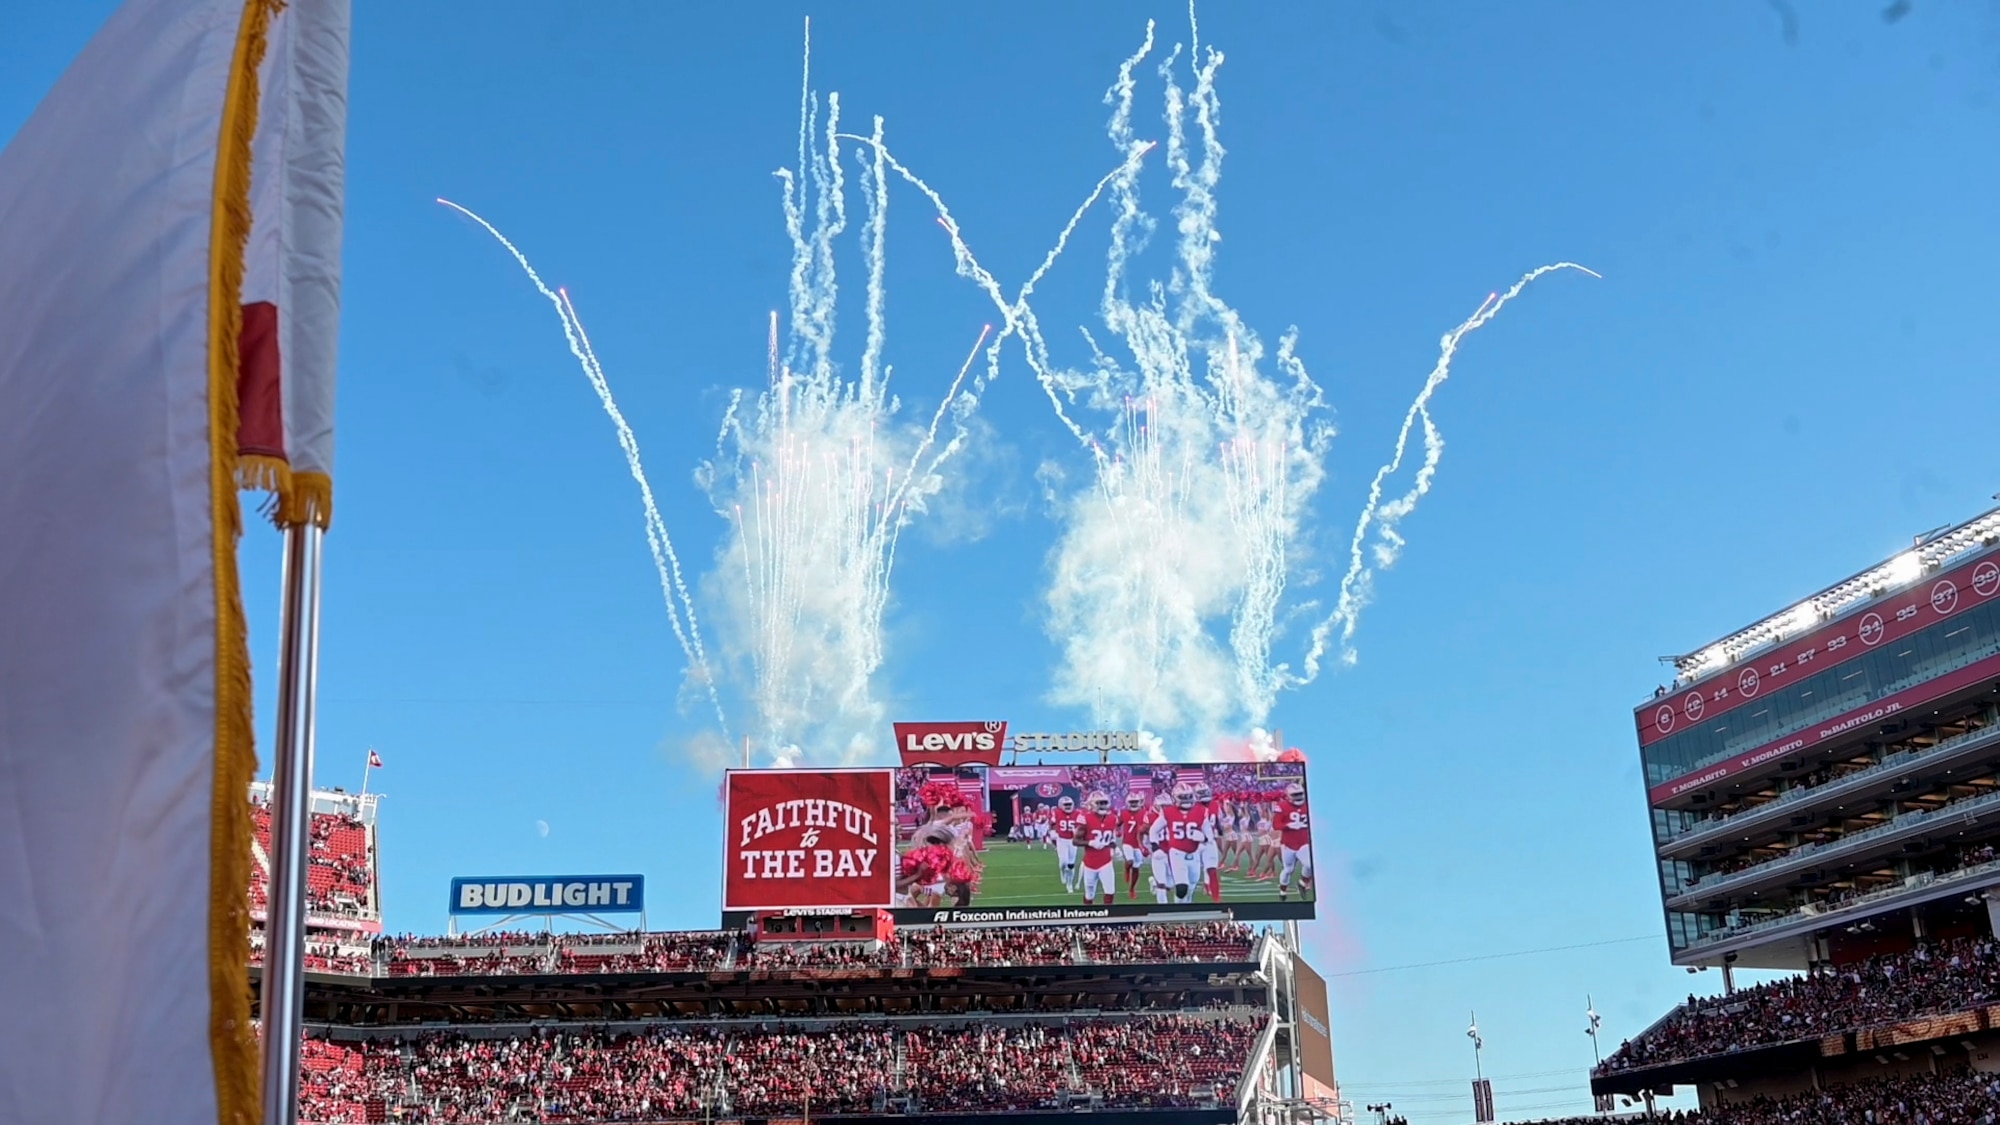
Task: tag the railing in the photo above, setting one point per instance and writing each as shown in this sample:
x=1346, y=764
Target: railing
x=1834, y=704
x=1799, y=857
x=1253, y=1068
x=1859, y=779
x=1957, y=1007
x=1810, y=912
x=550, y=950
x=716, y=1088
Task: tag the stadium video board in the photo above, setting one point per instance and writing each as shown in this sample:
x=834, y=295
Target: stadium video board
x=1022, y=844
x=1015, y=843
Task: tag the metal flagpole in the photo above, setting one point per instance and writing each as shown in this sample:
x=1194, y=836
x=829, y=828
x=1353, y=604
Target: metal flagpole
x=282, y=996
x=367, y=770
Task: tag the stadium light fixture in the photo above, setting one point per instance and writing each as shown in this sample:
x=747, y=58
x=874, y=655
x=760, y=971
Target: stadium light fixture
x=1596, y=1025
x=1478, y=1045
x=1799, y=619
x=1932, y=552
x=1904, y=569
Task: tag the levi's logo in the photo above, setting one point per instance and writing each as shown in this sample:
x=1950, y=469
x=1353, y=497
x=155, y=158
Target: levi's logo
x=952, y=740
x=951, y=743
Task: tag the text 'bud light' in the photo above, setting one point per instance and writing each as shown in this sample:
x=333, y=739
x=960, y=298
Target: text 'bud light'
x=549, y=894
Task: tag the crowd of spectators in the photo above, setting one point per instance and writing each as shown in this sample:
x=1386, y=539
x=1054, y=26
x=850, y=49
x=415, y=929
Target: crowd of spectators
x=528, y=954
x=340, y=871
x=1821, y=837
x=780, y=956
x=1964, y=1097
x=1172, y=1060
x=1958, y=860
x=693, y=951
x=325, y=953
x=340, y=864
x=332, y=1085
x=940, y=948
x=489, y=954
x=1201, y=941
x=600, y=1075
x=420, y=943
x=1934, y=978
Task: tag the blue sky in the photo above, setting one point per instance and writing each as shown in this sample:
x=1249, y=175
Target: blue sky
x=1780, y=378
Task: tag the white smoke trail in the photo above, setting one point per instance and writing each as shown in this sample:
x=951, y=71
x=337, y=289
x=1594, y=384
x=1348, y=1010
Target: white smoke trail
x=814, y=475
x=817, y=476
x=1205, y=462
x=1018, y=316
x=673, y=588
x=1205, y=466
x=1357, y=585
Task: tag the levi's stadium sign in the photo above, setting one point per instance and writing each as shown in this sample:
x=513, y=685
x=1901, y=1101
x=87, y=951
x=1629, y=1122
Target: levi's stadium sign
x=1078, y=741
x=808, y=838
x=950, y=744
x=549, y=894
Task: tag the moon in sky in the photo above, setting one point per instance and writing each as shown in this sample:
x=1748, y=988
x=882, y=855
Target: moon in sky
x=542, y=828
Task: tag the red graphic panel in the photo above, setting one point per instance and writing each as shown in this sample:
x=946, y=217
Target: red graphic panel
x=808, y=838
x=1840, y=724
x=1912, y=610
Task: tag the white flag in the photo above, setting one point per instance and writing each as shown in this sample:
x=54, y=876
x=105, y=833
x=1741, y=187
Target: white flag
x=125, y=744
x=291, y=283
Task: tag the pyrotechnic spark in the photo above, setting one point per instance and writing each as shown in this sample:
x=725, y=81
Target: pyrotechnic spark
x=673, y=588
x=1206, y=464
x=816, y=476
x=1357, y=585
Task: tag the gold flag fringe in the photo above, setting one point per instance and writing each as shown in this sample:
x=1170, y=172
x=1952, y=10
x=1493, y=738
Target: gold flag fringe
x=232, y=1043
x=257, y=472
x=309, y=499
x=297, y=499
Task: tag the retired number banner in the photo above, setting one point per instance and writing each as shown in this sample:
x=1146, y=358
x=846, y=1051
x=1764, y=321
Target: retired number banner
x=808, y=838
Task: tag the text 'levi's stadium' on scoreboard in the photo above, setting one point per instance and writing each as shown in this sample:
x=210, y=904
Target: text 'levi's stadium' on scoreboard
x=984, y=843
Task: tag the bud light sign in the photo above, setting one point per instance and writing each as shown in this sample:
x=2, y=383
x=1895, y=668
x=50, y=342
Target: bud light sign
x=549, y=894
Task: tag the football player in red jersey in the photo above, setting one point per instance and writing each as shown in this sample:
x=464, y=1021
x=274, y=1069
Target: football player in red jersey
x=1211, y=852
x=1099, y=836
x=1180, y=831
x=1156, y=847
x=1132, y=839
x=1064, y=828
x=1294, y=839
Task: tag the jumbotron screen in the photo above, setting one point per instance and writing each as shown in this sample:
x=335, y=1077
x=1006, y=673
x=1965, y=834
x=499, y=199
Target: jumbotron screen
x=999, y=844
x=1117, y=839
